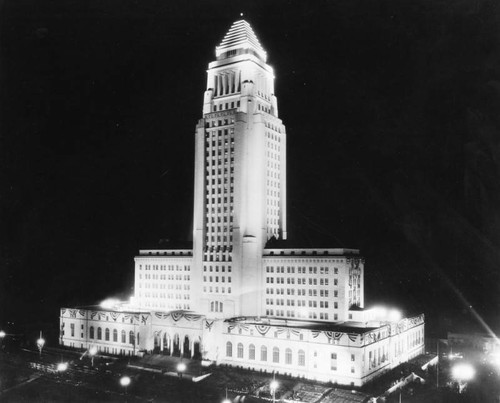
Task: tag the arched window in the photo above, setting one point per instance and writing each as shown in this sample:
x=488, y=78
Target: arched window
x=240, y=350
x=124, y=336
x=251, y=352
x=212, y=306
x=115, y=335
x=229, y=349
x=106, y=334
x=221, y=307
x=131, y=337
x=91, y=332
x=302, y=358
x=288, y=356
x=99, y=333
x=263, y=353
x=276, y=354
x=138, y=338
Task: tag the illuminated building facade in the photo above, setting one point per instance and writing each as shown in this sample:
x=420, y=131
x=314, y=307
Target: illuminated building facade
x=235, y=298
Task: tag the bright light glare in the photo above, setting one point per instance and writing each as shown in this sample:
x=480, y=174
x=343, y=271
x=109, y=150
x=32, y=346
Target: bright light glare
x=496, y=358
x=394, y=315
x=40, y=342
x=380, y=312
x=125, y=381
x=93, y=350
x=463, y=372
x=181, y=367
x=226, y=401
x=62, y=366
x=109, y=303
x=2, y=334
x=274, y=385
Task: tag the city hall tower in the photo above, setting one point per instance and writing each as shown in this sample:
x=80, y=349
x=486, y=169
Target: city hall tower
x=240, y=176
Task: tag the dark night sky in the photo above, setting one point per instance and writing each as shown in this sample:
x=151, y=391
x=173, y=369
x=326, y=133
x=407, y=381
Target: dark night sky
x=392, y=112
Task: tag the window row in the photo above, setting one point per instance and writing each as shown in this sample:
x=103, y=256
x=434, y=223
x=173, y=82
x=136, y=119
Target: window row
x=240, y=353
x=301, y=292
x=300, y=270
x=217, y=289
x=123, y=339
x=216, y=279
x=300, y=314
x=227, y=105
x=169, y=267
x=216, y=306
x=177, y=277
x=216, y=258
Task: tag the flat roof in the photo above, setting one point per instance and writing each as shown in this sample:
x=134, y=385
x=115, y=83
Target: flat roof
x=344, y=327
x=165, y=252
x=99, y=308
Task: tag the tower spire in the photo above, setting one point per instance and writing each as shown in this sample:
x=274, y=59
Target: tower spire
x=238, y=40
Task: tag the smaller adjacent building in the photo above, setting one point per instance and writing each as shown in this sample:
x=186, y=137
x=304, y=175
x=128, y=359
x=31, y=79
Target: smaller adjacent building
x=345, y=353
x=117, y=331
x=487, y=343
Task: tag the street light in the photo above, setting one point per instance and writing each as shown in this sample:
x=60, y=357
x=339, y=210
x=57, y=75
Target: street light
x=273, y=386
x=40, y=343
x=62, y=366
x=92, y=353
x=125, y=381
x=181, y=367
x=463, y=373
x=226, y=400
x=2, y=335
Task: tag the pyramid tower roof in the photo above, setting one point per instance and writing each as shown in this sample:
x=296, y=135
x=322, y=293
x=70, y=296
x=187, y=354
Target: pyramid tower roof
x=240, y=37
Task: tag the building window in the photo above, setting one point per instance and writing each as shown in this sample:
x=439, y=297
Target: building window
x=251, y=352
x=229, y=349
x=302, y=358
x=276, y=354
x=72, y=330
x=240, y=350
x=131, y=337
x=288, y=356
x=352, y=370
x=333, y=361
x=91, y=332
x=124, y=336
x=115, y=335
x=263, y=353
x=99, y=333
x=106, y=334
x=353, y=357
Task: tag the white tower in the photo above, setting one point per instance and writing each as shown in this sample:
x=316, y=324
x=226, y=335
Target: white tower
x=240, y=178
